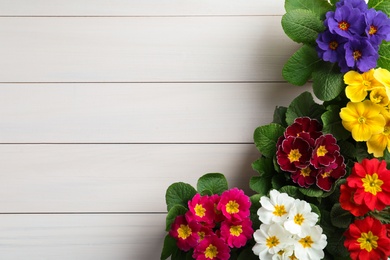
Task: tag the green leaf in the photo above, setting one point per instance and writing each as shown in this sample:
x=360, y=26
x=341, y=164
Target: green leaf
x=278, y=181
x=328, y=81
x=255, y=205
x=339, y=217
x=247, y=254
x=264, y=166
x=266, y=137
x=179, y=193
x=280, y=116
x=382, y=5
x=260, y=184
x=168, y=248
x=311, y=192
x=175, y=211
x=319, y=7
x=302, y=26
x=214, y=182
x=300, y=65
x=292, y=191
x=303, y=105
x=361, y=151
x=178, y=255
x=332, y=123
x=384, y=55
x=316, y=210
x=347, y=149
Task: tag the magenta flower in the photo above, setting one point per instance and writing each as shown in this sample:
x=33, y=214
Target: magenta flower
x=294, y=153
x=236, y=234
x=185, y=233
x=201, y=209
x=304, y=177
x=211, y=247
x=327, y=176
x=325, y=151
x=234, y=205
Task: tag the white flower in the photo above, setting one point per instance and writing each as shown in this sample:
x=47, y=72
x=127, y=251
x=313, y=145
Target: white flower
x=276, y=208
x=300, y=218
x=310, y=246
x=270, y=240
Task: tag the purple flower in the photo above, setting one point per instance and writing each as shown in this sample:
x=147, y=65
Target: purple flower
x=378, y=26
x=346, y=21
x=360, y=4
x=330, y=47
x=360, y=55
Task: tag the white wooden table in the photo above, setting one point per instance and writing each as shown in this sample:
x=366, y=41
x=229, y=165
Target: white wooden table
x=105, y=103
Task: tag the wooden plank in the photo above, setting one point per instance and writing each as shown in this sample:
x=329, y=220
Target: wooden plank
x=138, y=113
x=81, y=237
x=139, y=49
x=111, y=178
x=139, y=8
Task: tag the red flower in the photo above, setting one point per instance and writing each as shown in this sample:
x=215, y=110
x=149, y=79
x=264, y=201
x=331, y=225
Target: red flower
x=325, y=152
x=371, y=181
x=211, y=247
x=201, y=209
x=367, y=239
x=185, y=233
x=348, y=203
x=304, y=177
x=328, y=175
x=294, y=153
x=236, y=234
x=305, y=127
x=234, y=205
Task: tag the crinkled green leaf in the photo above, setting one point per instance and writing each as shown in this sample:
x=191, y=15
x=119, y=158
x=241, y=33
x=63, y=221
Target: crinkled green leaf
x=247, y=254
x=339, y=217
x=266, y=137
x=299, y=67
x=255, y=205
x=264, y=166
x=302, y=26
x=316, y=210
x=214, y=182
x=384, y=55
x=311, y=192
x=304, y=105
x=328, y=81
x=292, y=191
x=179, y=193
x=382, y=5
x=261, y=184
x=319, y=7
x=175, y=211
x=332, y=123
x=280, y=116
x=168, y=248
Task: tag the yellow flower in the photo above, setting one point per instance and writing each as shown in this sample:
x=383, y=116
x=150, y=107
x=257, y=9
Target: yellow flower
x=362, y=119
x=378, y=142
x=383, y=76
x=379, y=96
x=359, y=84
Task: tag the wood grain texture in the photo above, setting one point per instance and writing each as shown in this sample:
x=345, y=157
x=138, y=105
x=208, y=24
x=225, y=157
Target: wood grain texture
x=143, y=49
x=139, y=8
x=111, y=178
x=82, y=237
x=138, y=113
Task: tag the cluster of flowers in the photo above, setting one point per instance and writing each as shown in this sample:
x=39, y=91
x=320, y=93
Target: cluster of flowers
x=309, y=155
x=214, y=224
x=353, y=35
x=367, y=116
x=367, y=190
x=289, y=229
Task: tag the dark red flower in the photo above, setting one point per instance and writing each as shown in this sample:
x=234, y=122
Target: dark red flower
x=328, y=175
x=367, y=239
x=305, y=127
x=294, y=153
x=325, y=151
x=304, y=177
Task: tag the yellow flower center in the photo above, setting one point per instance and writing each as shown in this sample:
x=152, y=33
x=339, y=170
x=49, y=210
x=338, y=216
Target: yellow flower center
x=184, y=231
x=305, y=172
x=236, y=230
x=386, y=130
x=201, y=235
x=366, y=83
x=373, y=30
x=306, y=241
x=368, y=241
x=357, y=55
x=333, y=45
x=272, y=241
x=298, y=219
x=200, y=211
x=362, y=120
x=232, y=207
x=280, y=210
x=325, y=174
x=343, y=25
x=372, y=184
x=294, y=155
x=211, y=252
x=321, y=151
x=293, y=257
